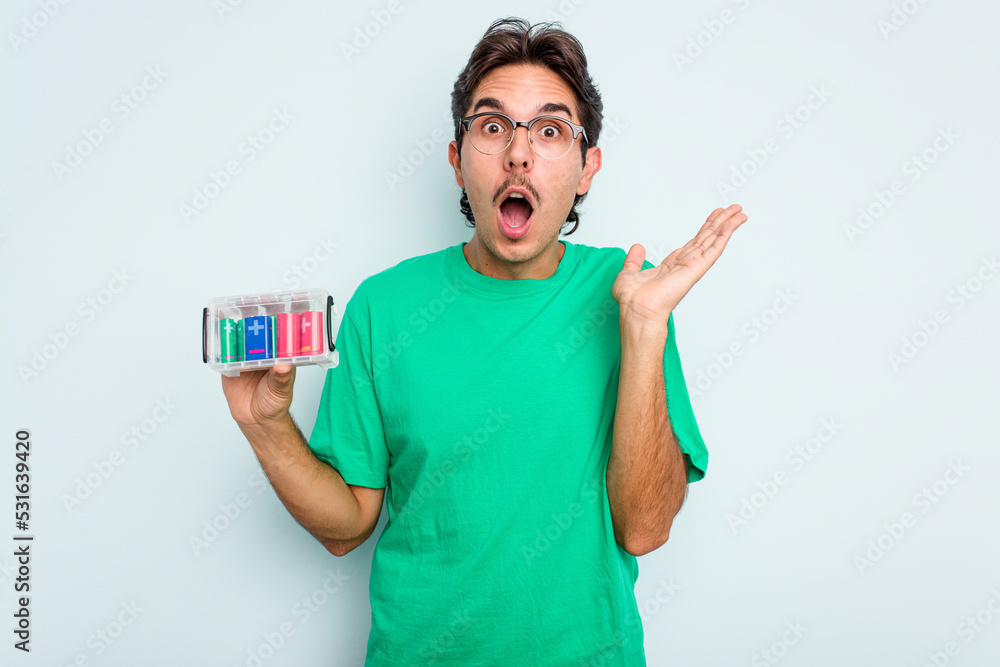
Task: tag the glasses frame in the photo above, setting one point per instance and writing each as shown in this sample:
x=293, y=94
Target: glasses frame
x=466, y=123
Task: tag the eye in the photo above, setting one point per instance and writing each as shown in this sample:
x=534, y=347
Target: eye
x=491, y=126
x=550, y=131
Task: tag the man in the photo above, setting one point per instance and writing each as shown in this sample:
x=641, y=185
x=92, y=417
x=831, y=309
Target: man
x=518, y=399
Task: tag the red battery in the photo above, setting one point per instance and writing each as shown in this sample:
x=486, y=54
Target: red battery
x=289, y=334
x=312, y=333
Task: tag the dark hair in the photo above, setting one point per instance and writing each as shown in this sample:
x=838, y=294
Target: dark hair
x=513, y=41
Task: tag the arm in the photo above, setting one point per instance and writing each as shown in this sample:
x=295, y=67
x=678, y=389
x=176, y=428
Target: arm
x=339, y=515
x=647, y=476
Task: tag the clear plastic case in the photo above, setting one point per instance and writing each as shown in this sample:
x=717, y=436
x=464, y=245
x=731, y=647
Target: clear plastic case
x=250, y=332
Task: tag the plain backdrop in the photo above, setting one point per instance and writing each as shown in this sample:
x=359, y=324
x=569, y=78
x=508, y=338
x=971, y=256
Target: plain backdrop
x=841, y=355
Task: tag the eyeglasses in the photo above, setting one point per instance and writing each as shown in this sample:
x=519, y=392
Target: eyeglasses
x=550, y=137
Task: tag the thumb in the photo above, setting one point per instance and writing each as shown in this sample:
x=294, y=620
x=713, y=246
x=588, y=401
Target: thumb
x=634, y=259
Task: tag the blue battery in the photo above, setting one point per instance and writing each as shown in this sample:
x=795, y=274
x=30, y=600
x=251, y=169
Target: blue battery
x=258, y=338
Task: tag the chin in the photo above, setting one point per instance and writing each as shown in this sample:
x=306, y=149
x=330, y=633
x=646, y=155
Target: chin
x=511, y=251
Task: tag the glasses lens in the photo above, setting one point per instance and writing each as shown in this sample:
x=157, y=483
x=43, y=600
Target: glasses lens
x=490, y=134
x=551, y=138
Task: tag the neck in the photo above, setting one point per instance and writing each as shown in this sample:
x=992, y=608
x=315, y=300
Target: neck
x=541, y=266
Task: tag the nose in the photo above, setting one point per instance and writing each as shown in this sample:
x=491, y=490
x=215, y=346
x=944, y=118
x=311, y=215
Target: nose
x=519, y=152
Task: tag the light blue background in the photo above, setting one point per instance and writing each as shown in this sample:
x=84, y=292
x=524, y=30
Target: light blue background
x=712, y=595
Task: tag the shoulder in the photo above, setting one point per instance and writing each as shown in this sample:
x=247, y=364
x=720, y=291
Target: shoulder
x=591, y=253
x=406, y=274
x=398, y=286
x=599, y=261
x=607, y=256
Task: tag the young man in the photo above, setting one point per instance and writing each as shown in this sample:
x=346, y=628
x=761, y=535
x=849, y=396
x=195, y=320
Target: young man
x=518, y=399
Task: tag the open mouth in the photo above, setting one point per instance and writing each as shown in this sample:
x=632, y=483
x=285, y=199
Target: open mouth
x=515, y=215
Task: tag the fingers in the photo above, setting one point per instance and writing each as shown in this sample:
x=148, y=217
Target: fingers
x=701, y=252
x=730, y=210
x=716, y=221
x=280, y=378
x=704, y=248
x=273, y=396
x=718, y=226
x=716, y=242
x=714, y=214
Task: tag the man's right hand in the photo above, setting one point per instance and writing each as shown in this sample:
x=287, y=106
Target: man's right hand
x=260, y=398
x=339, y=515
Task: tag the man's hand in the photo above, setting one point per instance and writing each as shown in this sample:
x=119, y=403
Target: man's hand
x=259, y=398
x=339, y=515
x=648, y=296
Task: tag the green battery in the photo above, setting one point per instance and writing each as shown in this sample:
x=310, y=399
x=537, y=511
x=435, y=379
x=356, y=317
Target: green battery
x=274, y=335
x=228, y=337
x=239, y=339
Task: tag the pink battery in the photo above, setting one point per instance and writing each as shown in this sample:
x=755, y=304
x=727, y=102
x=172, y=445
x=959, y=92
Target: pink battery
x=312, y=333
x=289, y=335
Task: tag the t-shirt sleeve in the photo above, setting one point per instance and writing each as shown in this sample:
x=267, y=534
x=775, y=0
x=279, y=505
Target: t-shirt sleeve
x=348, y=432
x=679, y=409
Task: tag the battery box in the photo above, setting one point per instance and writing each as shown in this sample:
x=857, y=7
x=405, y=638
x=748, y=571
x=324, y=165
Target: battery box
x=256, y=331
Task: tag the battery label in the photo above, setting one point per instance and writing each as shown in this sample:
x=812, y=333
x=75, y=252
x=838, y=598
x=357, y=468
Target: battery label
x=258, y=337
x=312, y=333
x=227, y=340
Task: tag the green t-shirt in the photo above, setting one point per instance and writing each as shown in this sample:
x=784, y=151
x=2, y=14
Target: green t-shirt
x=486, y=406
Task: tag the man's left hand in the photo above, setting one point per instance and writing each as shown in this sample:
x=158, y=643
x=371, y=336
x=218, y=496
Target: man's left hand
x=646, y=297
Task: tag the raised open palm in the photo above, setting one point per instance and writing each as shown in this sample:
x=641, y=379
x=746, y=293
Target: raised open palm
x=652, y=294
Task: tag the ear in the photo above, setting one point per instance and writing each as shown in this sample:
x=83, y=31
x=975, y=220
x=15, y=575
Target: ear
x=456, y=162
x=592, y=166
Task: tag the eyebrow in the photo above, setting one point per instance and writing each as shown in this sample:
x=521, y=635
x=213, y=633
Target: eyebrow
x=547, y=108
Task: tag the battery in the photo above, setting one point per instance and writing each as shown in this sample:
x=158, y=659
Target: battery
x=289, y=334
x=312, y=332
x=258, y=338
x=272, y=333
x=239, y=340
x=228, y=340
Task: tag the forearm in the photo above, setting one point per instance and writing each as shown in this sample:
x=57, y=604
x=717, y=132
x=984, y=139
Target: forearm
x=647, y=476
x=313, y=492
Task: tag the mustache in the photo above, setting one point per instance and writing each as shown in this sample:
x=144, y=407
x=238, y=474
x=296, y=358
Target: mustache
x=521, y=183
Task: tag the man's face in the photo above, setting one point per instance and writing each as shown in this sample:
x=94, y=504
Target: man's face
x=502, y=245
